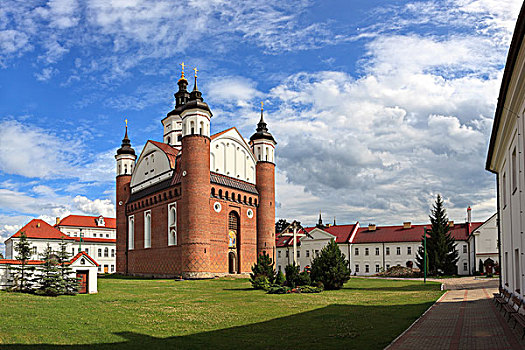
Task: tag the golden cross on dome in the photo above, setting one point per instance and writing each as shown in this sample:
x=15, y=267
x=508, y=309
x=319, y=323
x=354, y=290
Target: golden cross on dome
x=262, y=105
x=182, y=65
x=195, y=70
x=126, y=120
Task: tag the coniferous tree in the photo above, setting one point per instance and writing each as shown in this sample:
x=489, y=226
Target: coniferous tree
x=69, y=280
x=22, y=274
x=264, y=267
x=50, y=279
x=280, y=225
x=1, y=256
x=442, y=255
x=330, y=267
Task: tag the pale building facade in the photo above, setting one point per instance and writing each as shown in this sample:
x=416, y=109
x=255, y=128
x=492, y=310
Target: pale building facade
x=373, y=249
x=98, y=239
x=506, y=159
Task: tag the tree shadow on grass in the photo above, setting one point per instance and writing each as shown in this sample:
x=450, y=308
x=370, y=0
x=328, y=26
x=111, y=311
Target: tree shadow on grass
x=332, y=327
x=405, y=288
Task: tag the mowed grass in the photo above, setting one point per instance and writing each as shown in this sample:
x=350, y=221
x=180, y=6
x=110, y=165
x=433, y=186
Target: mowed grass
x=219, y=314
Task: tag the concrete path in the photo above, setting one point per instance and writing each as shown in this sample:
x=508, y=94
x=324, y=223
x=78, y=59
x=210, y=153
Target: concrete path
x=465, y=317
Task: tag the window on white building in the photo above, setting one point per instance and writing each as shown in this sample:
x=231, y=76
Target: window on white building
x=387, y=266
x=367, y=268
x=465, y=266
x=356, y=268
x=112, y=268
x=107, y=235
x=99, y=268
x=112, y=253
x=409, y=250
x=298, y=253
x=34, y=251
x=514, y=171
x=504, y=189
x=94, y=235
x=366, y=251
x=465, y=249
x=100, y=252
x=172, y=224
x=278, y=253
x=287, y=253
x=387, y=250
x=87, y=251
x=356, y=251
x=316, y=253
x=147, y=229
x=398, y=250
x=307, y=253
x=106, y=252
x=377, y=267
x=377, y=251
x=73, y=250
x=131, y=232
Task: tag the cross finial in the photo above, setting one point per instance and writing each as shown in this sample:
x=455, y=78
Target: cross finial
x=182, y=65
x=262, y=105
x=195, y=70
x=126, y=121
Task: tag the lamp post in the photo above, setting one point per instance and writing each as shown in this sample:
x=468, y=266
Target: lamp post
x=425, y=254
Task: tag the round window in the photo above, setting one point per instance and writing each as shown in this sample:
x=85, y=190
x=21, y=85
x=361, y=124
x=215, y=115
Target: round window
x=249, y=213
x=217, y=207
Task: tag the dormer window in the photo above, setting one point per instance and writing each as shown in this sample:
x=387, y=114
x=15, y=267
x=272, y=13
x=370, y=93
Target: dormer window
x=100, y=221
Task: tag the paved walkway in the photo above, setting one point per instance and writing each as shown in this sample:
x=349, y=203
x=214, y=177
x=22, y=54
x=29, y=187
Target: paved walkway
x=464, y=318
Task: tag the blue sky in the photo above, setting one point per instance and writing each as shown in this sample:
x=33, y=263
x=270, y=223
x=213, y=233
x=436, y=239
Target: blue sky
x=377, y=106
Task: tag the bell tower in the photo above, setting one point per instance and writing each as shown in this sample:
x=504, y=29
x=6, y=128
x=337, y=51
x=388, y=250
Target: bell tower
x=173, y=121
x=263, y=147
x=125, y=158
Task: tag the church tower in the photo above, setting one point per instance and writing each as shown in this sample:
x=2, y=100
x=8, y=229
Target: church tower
x=173, y=121
x=125, y=164
x=195, y=161
x=263, y=147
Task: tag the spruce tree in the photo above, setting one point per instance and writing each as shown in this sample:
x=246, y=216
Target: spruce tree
x=21, y=274
x=50, y=279
x=69, y=280
x=442, y=255
x=330, y=267
x=264, y=267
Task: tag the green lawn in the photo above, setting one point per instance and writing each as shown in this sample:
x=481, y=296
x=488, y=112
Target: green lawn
x=216, y=314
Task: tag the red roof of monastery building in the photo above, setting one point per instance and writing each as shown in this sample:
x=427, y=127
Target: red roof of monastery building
x=382, y=234
x=170, y=152
x=40, y=229
x=87, y=221
x=40, y=262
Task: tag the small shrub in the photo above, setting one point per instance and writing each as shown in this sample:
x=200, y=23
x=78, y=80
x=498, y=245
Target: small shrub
x=292, y=275
x=280, y=279
x=279, y=290
x=304, y=279
x=261, y=282
x=310, y=289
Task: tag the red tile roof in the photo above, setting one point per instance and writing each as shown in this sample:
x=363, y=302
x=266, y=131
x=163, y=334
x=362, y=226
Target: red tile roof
x=86, y=221
x=342, y=234
x=170, y=152
x=40, y=229
x=222, y=132
x=76, y=257
x=17, y=262
x=384, y=234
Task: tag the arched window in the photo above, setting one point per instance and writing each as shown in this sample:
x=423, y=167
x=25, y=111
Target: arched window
x=118, y=170
x=106, y=252
x=202, y=128
x=169, y=140
x=220, y=193
x=213, y=191
x=125, y=168
x=239, y=198
x=250, y=201
x=255, y=202
x=147, y=229
x=172, y=224
x=192, y=127
x=131, y=232
x=226, y=195
x=244, y=199
x=233, y=196
x=234, y=236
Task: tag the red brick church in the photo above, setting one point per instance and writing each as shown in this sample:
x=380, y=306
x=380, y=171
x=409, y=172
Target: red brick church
x=195, y=205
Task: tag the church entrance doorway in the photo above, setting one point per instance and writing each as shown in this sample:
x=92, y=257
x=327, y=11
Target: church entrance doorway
x=231, y=263
x=233, y=243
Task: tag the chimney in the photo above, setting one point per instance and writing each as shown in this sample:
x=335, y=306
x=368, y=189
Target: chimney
x=451, y=223
x=407, y=224
x=469, y=215
x=57, y=220
x=371, y=227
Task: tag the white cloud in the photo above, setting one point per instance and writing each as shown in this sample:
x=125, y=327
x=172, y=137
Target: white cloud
x=233, y=91
x=95, y=207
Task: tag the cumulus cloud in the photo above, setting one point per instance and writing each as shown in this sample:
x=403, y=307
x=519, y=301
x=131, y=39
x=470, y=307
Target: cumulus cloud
x=94, y=207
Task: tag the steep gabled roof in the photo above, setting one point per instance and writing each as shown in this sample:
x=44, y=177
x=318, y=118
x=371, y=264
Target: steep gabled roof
x=170, y=151
x=40, y=229
x=342, y=234
x=84, y=254
x=86, y=221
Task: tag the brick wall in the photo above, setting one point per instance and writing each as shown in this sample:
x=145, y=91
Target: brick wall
x=265, y=182
x=122, y=195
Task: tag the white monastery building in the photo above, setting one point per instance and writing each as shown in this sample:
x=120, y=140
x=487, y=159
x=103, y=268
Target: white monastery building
x=506, y=159
x=373, y=249
x=96, y=236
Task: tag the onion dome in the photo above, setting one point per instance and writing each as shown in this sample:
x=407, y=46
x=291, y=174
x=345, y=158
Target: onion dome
x=125, y=148
x=262, y=130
